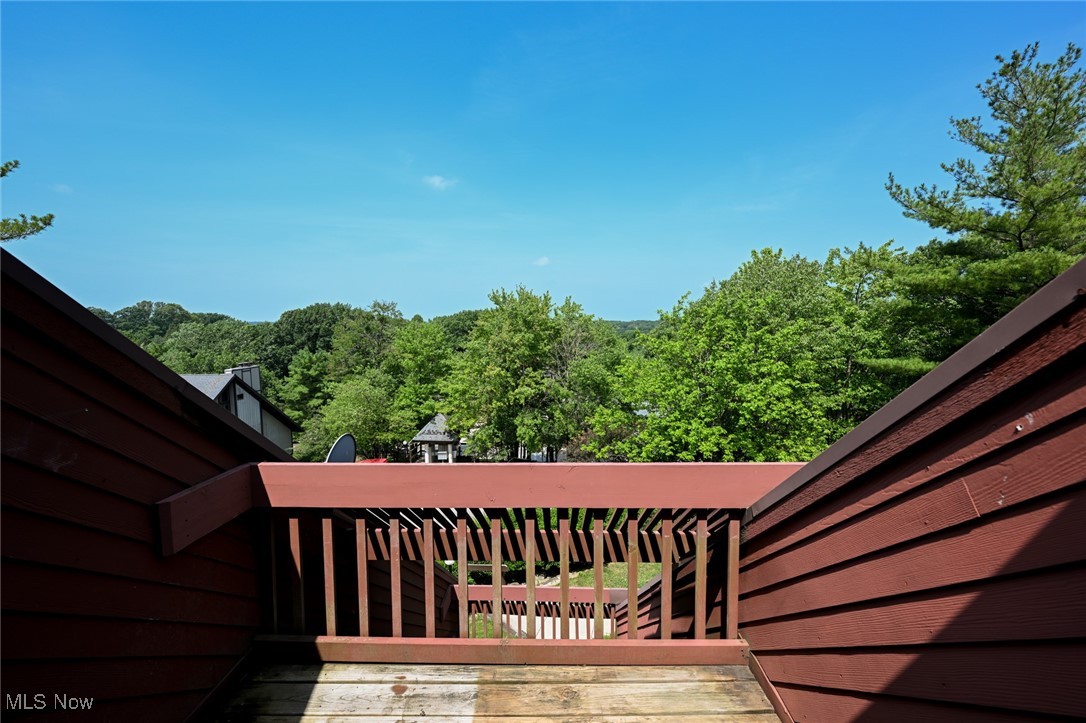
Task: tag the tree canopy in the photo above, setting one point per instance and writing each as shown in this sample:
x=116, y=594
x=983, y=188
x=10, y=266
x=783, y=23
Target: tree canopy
x=531, y=374
x=774, y=362
x=1013, y=223
x=12, y=229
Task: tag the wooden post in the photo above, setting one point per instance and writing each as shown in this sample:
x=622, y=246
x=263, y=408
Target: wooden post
x=329, y=578
x=597, y=569
x=666, y=574
x=699, y=576
x=273, y=573
x=731, y=614
x=297, y=589
x=529, y=572
x=362, y=545
x=462, y=571
x=632, y=554
x=563, y=558
x=394, y=572
x=496, y=573
x=428, y=575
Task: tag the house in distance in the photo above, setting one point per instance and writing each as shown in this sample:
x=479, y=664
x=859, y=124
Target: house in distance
x=238, y=390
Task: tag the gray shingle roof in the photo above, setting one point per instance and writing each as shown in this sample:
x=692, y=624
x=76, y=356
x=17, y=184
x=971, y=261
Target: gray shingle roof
x=210, y=384
x=436, y=431
x=213, y=384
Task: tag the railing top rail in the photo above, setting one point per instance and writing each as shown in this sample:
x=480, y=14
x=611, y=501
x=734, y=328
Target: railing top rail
x=518, y=593
x=596, y=485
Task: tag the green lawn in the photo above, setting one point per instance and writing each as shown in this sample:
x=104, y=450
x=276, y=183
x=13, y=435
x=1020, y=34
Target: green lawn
x=614, y=575
x=483, y=626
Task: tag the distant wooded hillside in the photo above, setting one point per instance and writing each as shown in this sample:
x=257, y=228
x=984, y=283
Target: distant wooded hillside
x=775, y=362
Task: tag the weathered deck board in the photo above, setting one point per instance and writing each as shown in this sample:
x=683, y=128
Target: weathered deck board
x=746, y=718
x=527, y=693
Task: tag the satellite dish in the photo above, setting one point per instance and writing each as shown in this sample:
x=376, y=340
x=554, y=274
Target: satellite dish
x=342, y=451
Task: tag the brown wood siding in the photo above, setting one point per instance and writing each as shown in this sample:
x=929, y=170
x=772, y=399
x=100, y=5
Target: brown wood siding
x=94, y=433
x=938, y=570
x=682, y=605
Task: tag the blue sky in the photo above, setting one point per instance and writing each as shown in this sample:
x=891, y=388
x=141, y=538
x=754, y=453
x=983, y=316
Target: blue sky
x=249, y=158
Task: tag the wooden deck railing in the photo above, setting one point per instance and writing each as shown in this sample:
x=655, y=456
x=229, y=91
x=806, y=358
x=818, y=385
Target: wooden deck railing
x=546, y=611
x=358, y=554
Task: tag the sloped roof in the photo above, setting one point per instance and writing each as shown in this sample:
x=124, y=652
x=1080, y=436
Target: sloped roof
x=436, y=430
x=210, y=384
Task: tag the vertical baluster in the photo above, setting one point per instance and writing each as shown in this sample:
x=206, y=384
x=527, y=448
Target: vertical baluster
x=361, y=543
x=732, y=611
x=496, y=574
x=329, y=578
x=297, y=589
x=394, y=572
x=699, y=576
x=563, y=557
x=529, y=572
x=666, y=554
x=274, y=573
x=597, y=569
x=462, y=572
x=428, y=574
x=632, y=555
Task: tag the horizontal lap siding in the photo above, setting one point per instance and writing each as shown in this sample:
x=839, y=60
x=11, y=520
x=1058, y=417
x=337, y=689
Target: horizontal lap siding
x=93, y=436
x=414, y=601
x=938, y=572
x=682, y=600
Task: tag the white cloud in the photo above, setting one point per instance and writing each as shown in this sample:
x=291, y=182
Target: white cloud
x=439, y=183
x=541, y=261
x=62, y=188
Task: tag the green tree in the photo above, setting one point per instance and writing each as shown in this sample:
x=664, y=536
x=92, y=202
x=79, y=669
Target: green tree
x=587, y=354
x=418, y=362
x=148, y=321
x=498, y=380
x=362, y=338
x=12, y=229
x=751, y=371
x=195, y=348
x=1031, y=192
x=531, y=374
x=360, y=406
x=305, y=390
x=877, y=361
x=458, y=327
x=1014, y=223
x=309, y=328
x=103, y=314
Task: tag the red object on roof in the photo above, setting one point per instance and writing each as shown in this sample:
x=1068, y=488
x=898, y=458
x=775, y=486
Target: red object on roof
x=379, y=460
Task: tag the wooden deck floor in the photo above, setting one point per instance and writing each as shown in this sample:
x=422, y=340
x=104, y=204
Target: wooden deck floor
x=615, y=694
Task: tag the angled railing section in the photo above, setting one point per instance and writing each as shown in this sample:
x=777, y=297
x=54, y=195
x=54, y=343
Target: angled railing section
x=370, y=562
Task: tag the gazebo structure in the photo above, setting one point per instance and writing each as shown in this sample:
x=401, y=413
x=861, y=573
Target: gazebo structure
x=432, y=436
